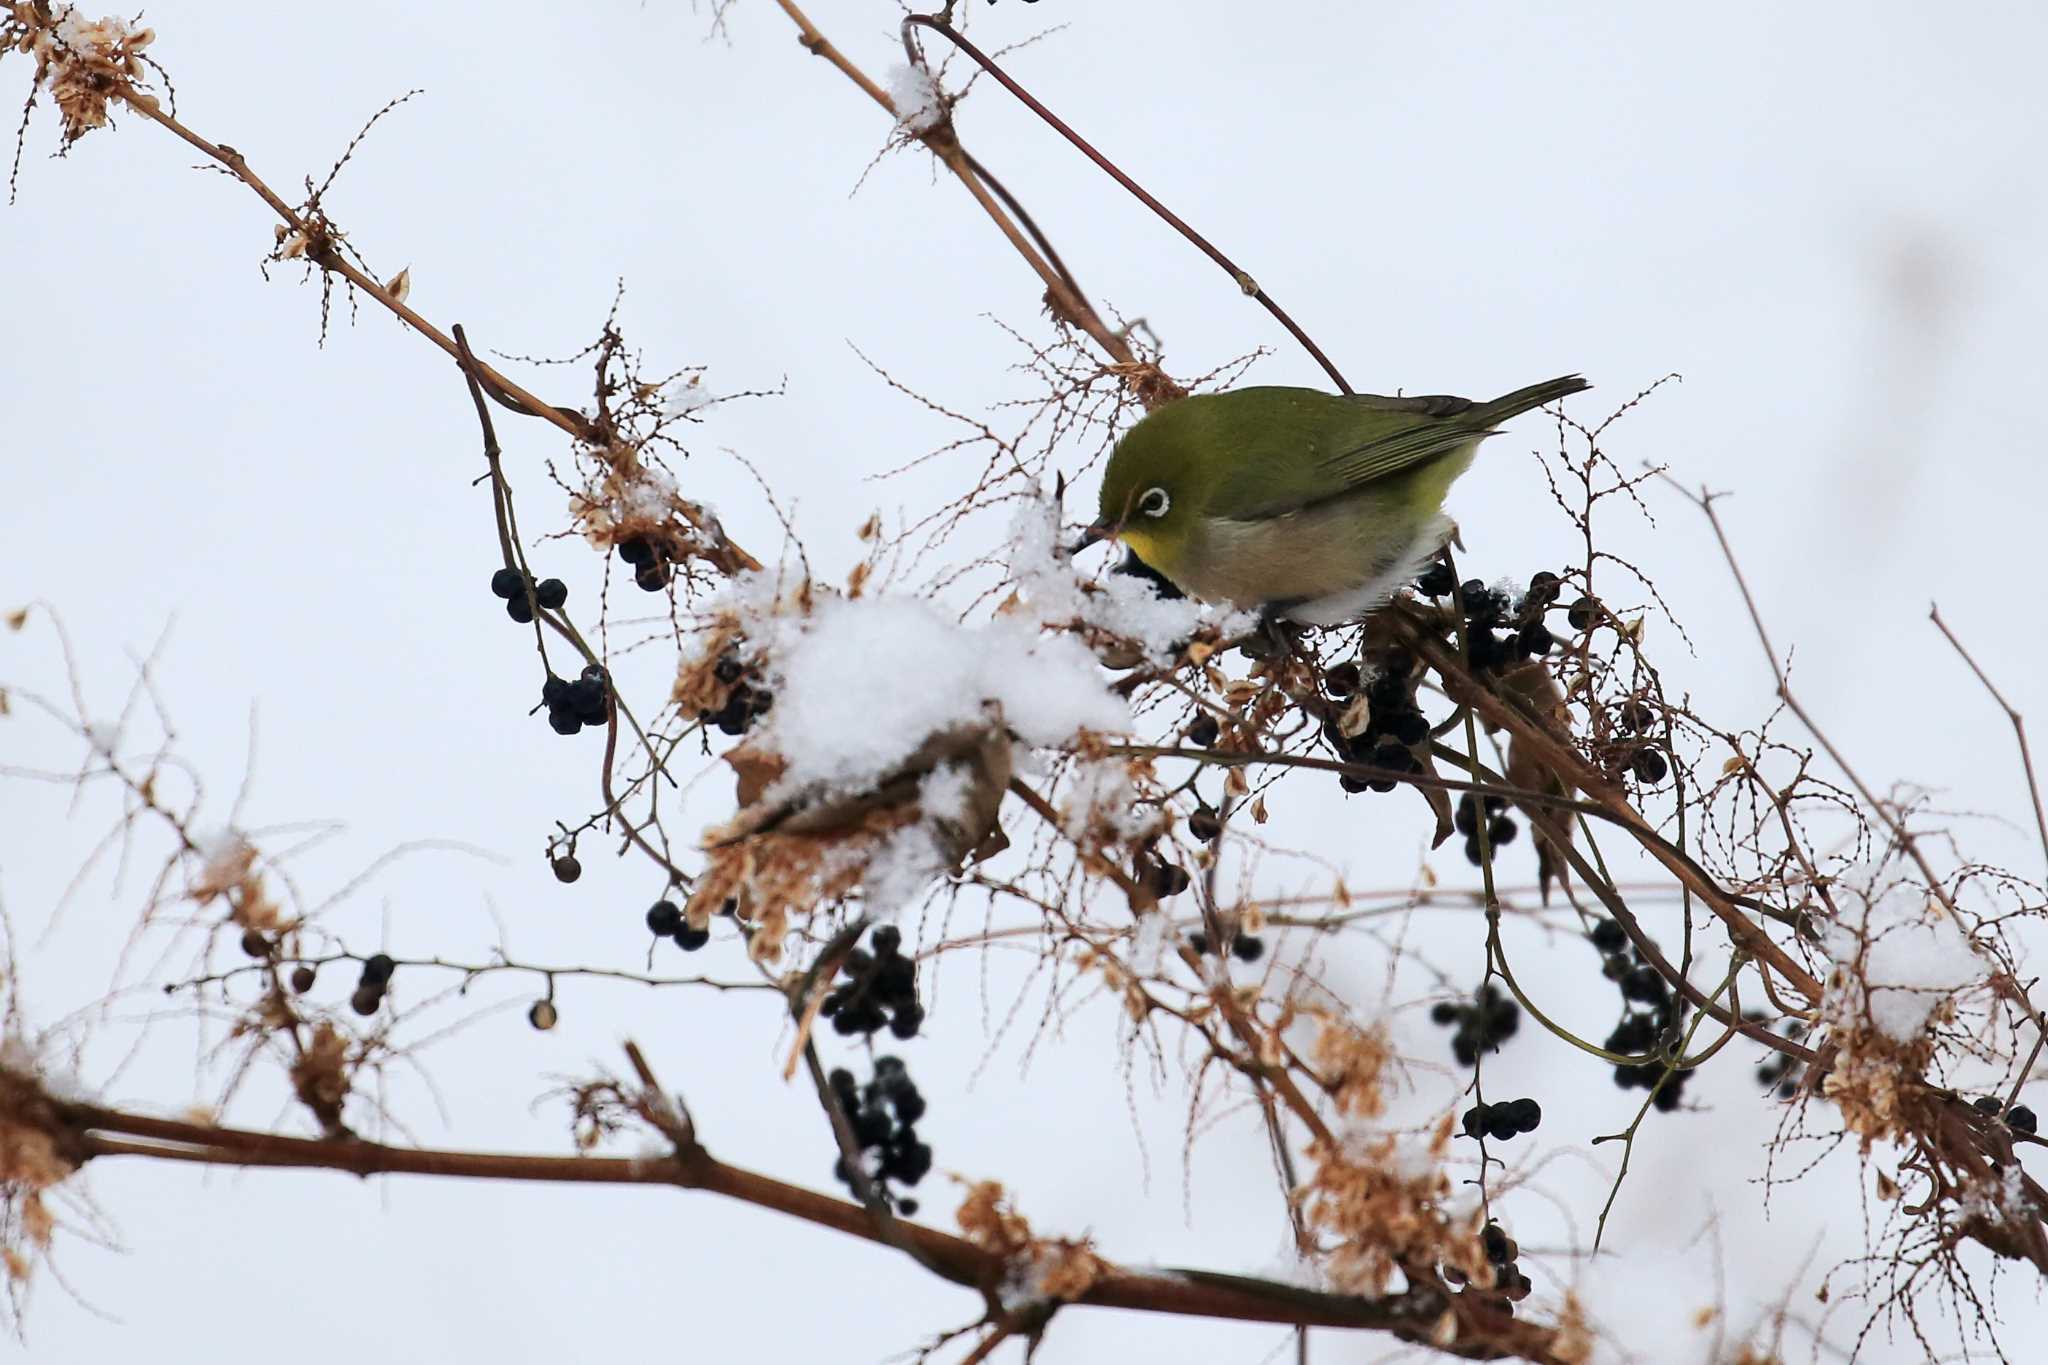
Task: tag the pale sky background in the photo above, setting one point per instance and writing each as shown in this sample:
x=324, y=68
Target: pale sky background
x=1827, y=217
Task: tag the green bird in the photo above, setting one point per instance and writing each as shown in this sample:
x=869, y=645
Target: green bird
x=1314, y=506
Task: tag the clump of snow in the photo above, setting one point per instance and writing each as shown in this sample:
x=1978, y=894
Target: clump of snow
x=861, y=683
x=1126, y=605
x=1100, y=794
x=689, y=397
x=35, y=1059
x=91, y=38
x=624, y=498
x=1408, y=1157
x=944, y=792
x=898, y=872
x=1149, y=942
x=1288, y=1266
x=919, y=105
x=225, y=859
x=104, y=736
x=1897, y=957
x=1998, y=1197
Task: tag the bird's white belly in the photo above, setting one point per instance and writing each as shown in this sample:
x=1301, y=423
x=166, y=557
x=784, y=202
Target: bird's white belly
x=1322, y=565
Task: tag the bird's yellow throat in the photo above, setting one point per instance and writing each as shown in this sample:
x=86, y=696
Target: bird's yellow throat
x=1145, y=543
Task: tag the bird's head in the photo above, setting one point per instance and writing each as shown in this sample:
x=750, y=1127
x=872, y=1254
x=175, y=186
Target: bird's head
x=1151, y=490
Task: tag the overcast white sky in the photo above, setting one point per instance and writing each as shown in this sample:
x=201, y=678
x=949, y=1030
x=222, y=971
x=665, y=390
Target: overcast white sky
x=1826, y=217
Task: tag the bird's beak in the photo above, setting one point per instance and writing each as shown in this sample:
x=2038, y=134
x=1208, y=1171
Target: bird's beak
x=1094, y=535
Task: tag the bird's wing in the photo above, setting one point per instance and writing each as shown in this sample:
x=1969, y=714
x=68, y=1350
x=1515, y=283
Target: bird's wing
x=1396, y=434
x=1397, y=454
x=1311, y=447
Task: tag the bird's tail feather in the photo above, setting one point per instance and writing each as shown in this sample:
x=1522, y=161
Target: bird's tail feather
x=1535, y=396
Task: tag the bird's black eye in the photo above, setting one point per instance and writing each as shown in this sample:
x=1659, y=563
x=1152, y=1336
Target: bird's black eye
x=1155, y=502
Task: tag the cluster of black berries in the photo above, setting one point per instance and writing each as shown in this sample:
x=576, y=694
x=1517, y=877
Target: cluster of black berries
x=510, y=584
x=1484, y=1023
x=746, y=703
x=1642, y=759
x=1245, y=947
x=573, y=705
x=649, y=558
x=665, y=919
x=1781, y=1070
x=2019, y=1118
x=1395, y=724
x=884, y=1113
x=1500, y=828
x=1509, y=1285
x=1503, y=1120
x=1649, y=1011
x=880, y=988
x=369, y=992
x=1499, y=634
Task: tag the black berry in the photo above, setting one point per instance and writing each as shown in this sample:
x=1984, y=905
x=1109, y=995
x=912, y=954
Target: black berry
x=1436, y=581
x=1409, y=727
x=664, y=918
x=551, y=593
x=566, y=868
x=1167, y=879
x=377, y=969
x=508, y=584
x=1645, y=985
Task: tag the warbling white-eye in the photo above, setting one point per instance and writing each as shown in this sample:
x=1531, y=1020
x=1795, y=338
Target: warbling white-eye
x=1309, y=505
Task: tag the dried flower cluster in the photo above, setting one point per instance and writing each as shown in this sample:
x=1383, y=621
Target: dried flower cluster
x=85, y=64
x=1040, y=1270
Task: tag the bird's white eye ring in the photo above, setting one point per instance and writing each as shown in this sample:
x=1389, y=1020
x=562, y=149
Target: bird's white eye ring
x=1155, y=502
